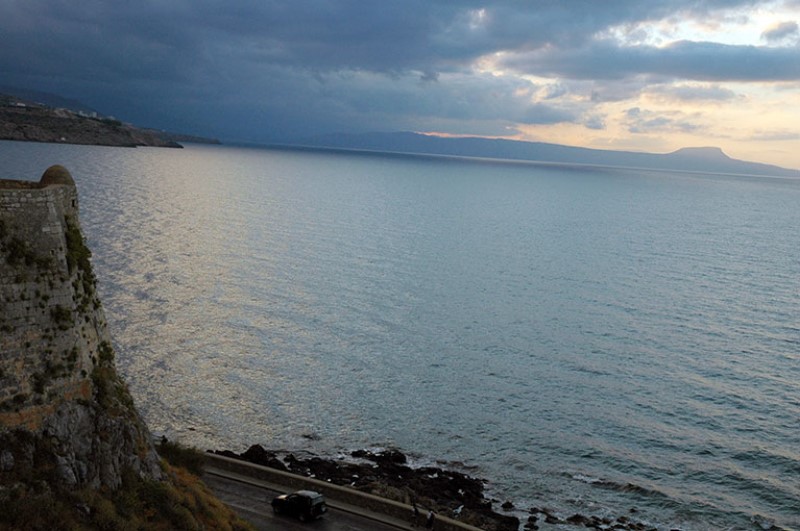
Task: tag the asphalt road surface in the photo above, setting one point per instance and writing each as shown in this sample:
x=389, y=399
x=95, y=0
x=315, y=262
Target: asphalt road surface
x=252, y=503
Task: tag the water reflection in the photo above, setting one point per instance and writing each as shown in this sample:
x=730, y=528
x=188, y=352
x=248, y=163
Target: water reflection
x=543, y=325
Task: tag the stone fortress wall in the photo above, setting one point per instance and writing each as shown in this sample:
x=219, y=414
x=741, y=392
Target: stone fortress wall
x=58, y=382
x=46, y=331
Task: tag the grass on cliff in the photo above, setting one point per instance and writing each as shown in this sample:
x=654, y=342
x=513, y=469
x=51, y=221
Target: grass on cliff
x=181, y=456
x=79, y=258
x=183, y=502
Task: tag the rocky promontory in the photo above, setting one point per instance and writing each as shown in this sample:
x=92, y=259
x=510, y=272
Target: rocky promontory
x=35, y=123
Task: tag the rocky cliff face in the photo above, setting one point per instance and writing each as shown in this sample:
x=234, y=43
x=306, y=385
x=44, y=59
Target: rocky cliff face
x=65, y=415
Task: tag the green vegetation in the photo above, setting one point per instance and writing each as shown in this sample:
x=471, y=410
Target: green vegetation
x=182, y=456
x=32, y=498
x=55, y=370
x=111, y=393
x=40, y=380
x=105, y=352
x=62, y=316
x=78, y=254
x=18, y=252
x=78, y=259
x=184, y=503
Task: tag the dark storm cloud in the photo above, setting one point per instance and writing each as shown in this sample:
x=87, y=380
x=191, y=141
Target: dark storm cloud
x=142, y=38
x=255, y=68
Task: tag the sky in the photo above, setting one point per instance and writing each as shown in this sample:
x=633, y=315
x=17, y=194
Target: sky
x=633, y=75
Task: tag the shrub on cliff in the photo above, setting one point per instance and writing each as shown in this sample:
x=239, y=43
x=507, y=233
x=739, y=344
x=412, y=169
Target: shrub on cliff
x=184, y=503
x=181, y=456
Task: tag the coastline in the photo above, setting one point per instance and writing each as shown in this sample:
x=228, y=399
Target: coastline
x=389, y=474
x=40, y=124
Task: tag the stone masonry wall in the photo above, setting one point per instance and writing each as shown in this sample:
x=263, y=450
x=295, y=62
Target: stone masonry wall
x=63, y=407
x=47, y=334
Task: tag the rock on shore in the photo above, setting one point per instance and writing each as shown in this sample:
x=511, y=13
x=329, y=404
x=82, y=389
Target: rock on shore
x=449, y=493
x=388, y=475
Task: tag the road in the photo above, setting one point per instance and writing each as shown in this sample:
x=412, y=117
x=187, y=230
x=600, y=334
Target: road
x=251, y=502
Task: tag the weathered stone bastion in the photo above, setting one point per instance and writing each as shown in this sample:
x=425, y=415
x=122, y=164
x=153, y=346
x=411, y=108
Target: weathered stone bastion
x=63, y=408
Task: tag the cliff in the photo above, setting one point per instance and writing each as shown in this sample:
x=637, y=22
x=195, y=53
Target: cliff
x=58, y=385
x=70, y=435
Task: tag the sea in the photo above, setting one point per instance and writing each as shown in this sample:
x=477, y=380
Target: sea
x=589, y=340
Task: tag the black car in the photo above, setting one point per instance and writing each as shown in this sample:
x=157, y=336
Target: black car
x=303, y=504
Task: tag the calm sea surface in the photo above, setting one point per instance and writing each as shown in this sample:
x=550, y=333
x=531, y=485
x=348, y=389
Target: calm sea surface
x=590, y=340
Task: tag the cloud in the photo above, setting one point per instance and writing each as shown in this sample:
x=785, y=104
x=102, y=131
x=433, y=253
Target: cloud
x=554, y=91
x=268, y=70
x=701, y=61
x=545, y=114
x=304, y=103
x=692, y=93
x=640, y=121
x=185, y=39
x=614, y=90
x=780, y=31
x=595, y=122
x=774, y=136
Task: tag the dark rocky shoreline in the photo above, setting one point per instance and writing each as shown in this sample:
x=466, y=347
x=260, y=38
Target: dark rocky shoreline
x=450, y=493
x=388, y=475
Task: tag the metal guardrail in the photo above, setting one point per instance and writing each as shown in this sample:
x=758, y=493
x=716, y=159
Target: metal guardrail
x=362, y=500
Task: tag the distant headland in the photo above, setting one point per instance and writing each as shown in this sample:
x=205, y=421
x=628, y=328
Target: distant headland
x=28, y=118
x=696, y=159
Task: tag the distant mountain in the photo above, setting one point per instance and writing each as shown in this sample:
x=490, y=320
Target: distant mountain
x=181, y=138
x=702, y=159
x=47, y=99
